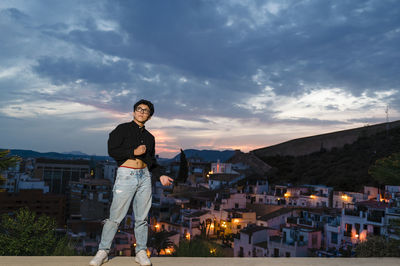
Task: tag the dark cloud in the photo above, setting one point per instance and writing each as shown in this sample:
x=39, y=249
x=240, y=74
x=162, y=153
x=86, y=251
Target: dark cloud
x=197, y=59
x=347, y=44
x=311, y=122
x=65, y=70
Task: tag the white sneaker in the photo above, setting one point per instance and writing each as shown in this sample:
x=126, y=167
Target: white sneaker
x=100, y=258
x=142, y=259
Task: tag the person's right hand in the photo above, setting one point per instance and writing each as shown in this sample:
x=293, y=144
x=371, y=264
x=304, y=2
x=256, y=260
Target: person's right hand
x=140, y=150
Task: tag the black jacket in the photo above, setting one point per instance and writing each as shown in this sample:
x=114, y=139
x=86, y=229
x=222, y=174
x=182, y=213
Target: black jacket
x=128, y=136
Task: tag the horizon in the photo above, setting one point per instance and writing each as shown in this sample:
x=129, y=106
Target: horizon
x=173, y=156
x=222, y=75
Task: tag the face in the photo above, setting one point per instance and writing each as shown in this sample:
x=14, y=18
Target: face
x=141, y=113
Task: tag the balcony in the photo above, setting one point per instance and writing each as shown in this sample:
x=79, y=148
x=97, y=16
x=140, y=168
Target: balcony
x=351, y=212
x=375, y=219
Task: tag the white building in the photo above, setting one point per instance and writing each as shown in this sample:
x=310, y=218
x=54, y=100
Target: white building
x=249, y=236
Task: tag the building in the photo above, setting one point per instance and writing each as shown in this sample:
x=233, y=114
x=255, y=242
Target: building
x=58, y=173
x=295, y=242
x=89, y=198
x=42, y=204
x=367, y=218
x=244, y=246
x=106, y=170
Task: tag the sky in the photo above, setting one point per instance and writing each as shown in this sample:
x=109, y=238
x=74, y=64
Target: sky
x=232, y=74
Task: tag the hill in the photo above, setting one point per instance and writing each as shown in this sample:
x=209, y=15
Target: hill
x=207, y=155
x=307, y=145
x=55, y=155
x=344, y=168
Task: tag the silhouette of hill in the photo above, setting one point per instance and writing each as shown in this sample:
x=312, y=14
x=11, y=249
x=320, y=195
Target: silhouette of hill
x=344, y=168
x=338, y=139
x=55, y=155
x=207, y=155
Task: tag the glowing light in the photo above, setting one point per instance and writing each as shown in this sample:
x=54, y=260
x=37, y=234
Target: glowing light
x=187, y=236
x=134, y=244
x=344, y=197
x=168, y=251
x=148, y=253
x=287, y=194
x=212, y=226
x=236, y=221
x=356, y=235
x=312, y=196
x=157, y=226
x=213, y=251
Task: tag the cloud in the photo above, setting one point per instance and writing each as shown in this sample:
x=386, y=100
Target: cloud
x=209, y=67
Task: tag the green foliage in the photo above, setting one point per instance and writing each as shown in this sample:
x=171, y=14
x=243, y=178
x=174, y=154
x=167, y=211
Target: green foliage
x=159, y=241
x=198, y=248
x=378, y=246
x=7, y=162
x=29, y=235
x=343, y=168
x=183, y=168
x=386, y=171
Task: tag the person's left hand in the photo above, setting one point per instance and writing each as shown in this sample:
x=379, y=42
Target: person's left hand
x=166, y=180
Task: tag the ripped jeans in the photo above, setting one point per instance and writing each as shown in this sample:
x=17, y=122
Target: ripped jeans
x=130, y=183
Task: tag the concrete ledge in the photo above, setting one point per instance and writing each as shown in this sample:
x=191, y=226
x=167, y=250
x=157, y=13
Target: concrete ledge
x=185, y=261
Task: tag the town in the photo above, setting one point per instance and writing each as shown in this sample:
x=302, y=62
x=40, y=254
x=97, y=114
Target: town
x=230, y=204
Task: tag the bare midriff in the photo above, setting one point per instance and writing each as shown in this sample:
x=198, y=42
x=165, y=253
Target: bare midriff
x=134, y=163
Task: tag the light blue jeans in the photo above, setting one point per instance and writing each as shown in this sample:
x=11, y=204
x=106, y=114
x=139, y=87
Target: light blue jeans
x=129, y=183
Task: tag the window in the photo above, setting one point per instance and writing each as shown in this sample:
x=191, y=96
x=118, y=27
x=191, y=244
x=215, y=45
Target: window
x=348, y=229
x=334, y=238
x=357, y=226
x=287, y=254
x=314, y=239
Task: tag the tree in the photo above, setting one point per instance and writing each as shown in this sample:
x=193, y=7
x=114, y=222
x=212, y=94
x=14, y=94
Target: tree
x=29, y=235
x=183, y=168
x=198, y=248
x=386, y=171
x=7, y=162
x=378, y=246
x=159, y=241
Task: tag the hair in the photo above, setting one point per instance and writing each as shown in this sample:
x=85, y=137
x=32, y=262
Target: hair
x=145, y=102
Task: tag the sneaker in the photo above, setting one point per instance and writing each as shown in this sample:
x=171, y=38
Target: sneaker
x=100, y=258
x=142, y=259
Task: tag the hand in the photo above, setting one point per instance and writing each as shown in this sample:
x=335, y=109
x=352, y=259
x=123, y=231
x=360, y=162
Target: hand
x=140, y=150
x=166, y=180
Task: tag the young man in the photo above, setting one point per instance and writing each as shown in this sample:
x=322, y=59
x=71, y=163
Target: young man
x=133, y=148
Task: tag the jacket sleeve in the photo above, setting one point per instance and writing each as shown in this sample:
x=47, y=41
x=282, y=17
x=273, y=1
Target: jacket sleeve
x=155, y=167
x=116, y=147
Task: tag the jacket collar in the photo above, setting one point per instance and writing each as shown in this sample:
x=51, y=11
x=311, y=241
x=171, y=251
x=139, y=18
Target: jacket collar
x=134, y=125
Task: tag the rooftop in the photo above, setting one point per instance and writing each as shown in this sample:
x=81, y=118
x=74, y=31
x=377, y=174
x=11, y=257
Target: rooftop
x=276, y=213
x=250, y=229
x=184, y=261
